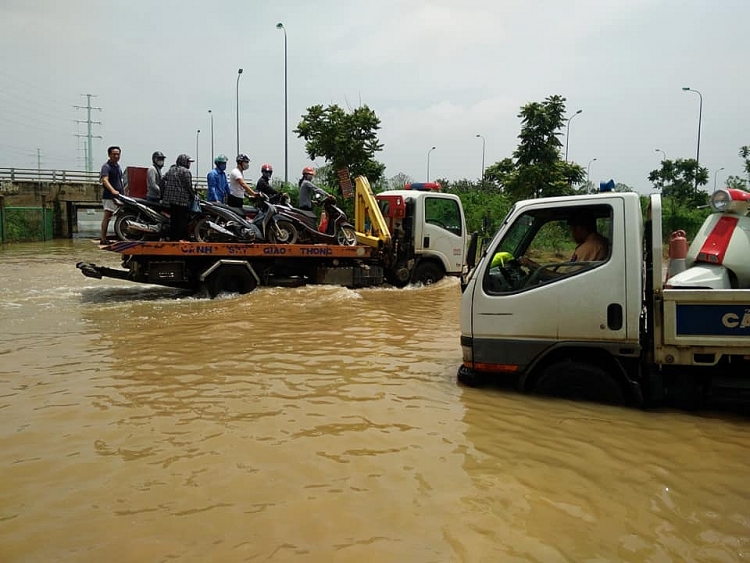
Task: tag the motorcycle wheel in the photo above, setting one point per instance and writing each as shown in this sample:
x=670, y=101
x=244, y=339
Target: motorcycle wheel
x=346, y=236
x=283, y=232
x=121, y=227
x=204, y=233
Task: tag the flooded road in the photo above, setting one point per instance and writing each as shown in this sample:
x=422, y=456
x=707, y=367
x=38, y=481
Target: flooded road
x=321, y=424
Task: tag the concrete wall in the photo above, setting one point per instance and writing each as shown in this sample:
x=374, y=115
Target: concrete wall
x=63, y=199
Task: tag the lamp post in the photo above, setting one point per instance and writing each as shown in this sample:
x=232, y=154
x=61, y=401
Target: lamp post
x=567, y=133
x=286, y=111
x=428, y=162
x=211, y=116
x=662, y=152
x=239, y=73
x=197, y=166
x=482, y=176
x=588, y=171
x=715, y=173
x=698, y=150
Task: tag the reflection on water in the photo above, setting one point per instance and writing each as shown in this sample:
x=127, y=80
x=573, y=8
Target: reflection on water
x=321, y=424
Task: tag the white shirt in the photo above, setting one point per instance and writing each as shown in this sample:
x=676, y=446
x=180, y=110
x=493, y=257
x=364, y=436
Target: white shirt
x=235, y=188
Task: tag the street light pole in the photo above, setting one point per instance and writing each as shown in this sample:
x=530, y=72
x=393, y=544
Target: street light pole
x=239, y=73
x=715, y=173
x=197, y=166
x=567, y=133
x=662, y=152
x=428, y=162
x=588, y=171
x=482, y=177
x=698, y=150
x=286, y=111
x=211, y=115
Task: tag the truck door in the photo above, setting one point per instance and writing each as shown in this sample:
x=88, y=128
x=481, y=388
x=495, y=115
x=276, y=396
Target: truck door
x=441, y=230
x=535, y=290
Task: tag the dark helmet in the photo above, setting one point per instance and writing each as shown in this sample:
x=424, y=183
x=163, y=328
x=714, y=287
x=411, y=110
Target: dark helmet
x=158, y=155
x=221, y=158
x=184, y=160
x=266, y=168
x=242, y=157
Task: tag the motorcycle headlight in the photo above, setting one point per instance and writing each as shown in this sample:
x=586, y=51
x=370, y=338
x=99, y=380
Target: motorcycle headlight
x=720, y=200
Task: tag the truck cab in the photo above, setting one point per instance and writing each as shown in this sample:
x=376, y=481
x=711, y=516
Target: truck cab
x=606, y=329
x=428, y=232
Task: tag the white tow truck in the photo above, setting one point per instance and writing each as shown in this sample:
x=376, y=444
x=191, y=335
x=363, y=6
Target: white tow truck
x=403, y=236
x=611, y=330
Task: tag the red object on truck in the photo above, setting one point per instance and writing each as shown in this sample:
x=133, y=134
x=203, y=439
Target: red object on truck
x=135, y=180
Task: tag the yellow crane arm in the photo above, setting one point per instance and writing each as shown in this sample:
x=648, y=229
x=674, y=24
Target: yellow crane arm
x=369, y=223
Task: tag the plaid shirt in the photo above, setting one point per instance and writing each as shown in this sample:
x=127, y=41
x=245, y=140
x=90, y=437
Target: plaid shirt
x=177, y=186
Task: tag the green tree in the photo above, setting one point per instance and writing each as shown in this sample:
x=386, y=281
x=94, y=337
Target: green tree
x=738, y=182
x=398, y=181
x=677, y=179
x=344, y=139
x=536, y=169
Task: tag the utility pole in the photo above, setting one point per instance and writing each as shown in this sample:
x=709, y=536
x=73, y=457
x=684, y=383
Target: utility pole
x=89, y=136
x=39, y=166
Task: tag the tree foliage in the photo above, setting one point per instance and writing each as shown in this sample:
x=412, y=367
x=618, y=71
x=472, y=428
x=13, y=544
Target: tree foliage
x=344, y=139
x=677, y=179
x=536, y=169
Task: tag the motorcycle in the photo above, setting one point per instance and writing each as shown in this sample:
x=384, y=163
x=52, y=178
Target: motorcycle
x=334, y=228
x=138, y=219
x=719, y=257
x=222, y=223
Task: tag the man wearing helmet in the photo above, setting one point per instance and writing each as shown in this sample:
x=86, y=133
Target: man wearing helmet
x=177, y=191
x=218, y=188
x=153, y=176
x=264, y=183
x=307, y=188
x=237, y=185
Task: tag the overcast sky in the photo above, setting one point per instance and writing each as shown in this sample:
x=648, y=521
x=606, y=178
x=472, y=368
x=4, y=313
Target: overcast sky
x=437, y=73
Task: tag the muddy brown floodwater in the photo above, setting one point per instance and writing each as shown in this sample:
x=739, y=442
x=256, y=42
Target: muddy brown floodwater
x=321, y=424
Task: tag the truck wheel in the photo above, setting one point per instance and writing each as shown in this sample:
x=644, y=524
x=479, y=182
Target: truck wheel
x=398, y=276
x=469, y=377
x=427, y=273
x=121, y=227
x=574, y=379
x=230, y=279
x=283, y=232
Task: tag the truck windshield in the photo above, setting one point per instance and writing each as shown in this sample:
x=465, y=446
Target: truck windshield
x=548, y=244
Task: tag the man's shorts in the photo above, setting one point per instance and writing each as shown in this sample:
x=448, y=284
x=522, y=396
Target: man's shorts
x=109, y=205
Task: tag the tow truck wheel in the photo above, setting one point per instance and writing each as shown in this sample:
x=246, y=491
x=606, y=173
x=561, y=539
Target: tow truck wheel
x=573, y=379
x=427, y=273
x=230, y=279
x=121, y=227
x=398, y=276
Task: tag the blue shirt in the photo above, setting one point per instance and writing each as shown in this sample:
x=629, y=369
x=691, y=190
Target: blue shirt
x=114, y=173
x=218, y=187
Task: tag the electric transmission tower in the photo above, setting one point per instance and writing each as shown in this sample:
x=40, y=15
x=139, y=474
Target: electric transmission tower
x=88, y=135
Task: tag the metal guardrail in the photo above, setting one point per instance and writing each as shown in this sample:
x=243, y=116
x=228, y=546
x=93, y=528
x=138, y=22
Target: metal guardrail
x=38, y=175
x=65, y=176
